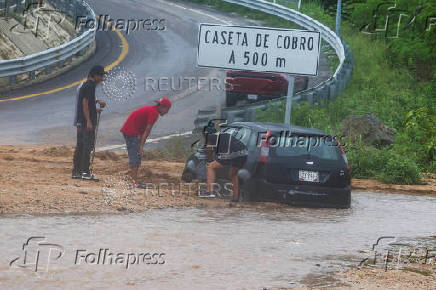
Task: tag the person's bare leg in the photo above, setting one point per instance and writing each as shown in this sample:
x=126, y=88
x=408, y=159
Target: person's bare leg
x=235, y=182
x=211, y=174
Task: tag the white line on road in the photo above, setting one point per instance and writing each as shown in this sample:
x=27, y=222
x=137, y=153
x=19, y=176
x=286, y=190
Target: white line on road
x=197, y=11
x=113, y=147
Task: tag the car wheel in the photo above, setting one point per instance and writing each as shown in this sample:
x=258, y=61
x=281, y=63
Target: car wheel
x=243, y=195
x=189, y=172
x=187, y=176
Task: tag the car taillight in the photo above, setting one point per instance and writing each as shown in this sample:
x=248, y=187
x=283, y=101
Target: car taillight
x=343, y=154
x=264, y=148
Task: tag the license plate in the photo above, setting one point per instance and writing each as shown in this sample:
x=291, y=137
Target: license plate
x=311, y=176
x=252, y=97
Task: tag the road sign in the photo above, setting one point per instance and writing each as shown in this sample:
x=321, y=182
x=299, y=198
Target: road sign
x=259, y=49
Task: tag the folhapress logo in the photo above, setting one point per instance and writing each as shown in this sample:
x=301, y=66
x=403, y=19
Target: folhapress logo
x=390, y=20
x=38, y=254
x=39, y=19
x=107, y=257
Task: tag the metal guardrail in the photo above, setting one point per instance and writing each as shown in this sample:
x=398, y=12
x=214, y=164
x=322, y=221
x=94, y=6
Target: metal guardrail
x=326, y=90
x=53, y=56
x=13, y=4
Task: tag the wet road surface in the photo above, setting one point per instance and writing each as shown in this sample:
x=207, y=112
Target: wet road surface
x=252, y=247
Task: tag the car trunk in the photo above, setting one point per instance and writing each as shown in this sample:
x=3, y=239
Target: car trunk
x=299, y=165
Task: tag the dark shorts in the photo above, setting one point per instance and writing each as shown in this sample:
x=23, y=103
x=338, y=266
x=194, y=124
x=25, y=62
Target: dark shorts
x=133, y=149
x=237, y=162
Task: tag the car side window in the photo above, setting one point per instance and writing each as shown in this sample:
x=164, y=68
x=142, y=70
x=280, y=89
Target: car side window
x=242, y=134
x=229, y=130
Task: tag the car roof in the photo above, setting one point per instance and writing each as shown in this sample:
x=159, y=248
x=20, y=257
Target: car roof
x=265, y=126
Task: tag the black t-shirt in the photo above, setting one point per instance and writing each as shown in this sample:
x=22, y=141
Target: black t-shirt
x=87, y=91
x=226, y=146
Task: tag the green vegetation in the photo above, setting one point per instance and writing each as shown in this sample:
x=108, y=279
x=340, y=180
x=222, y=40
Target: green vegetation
x=174, y=149
x=387, y=82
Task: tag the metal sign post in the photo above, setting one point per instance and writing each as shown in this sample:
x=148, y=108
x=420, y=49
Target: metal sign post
x=289, y=100
x=218, y=105
x=338, y=16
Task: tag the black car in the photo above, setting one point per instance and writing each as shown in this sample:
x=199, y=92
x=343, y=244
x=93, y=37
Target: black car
x=291, y=164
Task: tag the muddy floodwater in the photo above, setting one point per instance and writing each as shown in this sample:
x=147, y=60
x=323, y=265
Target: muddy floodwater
x=220, y=248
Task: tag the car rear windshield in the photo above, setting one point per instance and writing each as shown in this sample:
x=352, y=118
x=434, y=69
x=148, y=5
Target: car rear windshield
x=323, y=147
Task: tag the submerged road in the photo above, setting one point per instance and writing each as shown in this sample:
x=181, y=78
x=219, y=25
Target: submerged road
x=171, y=53
x=254, y=247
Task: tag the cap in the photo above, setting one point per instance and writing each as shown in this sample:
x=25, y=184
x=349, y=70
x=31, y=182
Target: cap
x=164, y=102
x=97, y=70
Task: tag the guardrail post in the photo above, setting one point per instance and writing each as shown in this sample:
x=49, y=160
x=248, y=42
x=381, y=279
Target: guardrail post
x=18, y=7
x=47, y=70
x=250, y=114
x=32, y=75
x=333, y=89
x=310, y=97
x=13, y=80
x=318, y=97
x=74, y=11
x=229, y=116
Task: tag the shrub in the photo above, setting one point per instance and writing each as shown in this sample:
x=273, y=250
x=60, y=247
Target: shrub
x=384, y=164
x=365, y=161
x=400, y=170
x=432, y=167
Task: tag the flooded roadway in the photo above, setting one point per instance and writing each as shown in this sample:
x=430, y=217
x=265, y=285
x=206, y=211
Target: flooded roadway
x=227, y=248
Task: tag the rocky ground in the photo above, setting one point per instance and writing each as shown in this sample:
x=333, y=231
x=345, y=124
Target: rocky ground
x=37, y=180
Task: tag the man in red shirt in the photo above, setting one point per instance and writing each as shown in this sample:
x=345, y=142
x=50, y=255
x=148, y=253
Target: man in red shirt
x=136, y=130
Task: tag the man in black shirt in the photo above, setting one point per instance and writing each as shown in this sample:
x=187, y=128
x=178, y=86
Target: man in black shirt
x=228, y=151
x=86, y=121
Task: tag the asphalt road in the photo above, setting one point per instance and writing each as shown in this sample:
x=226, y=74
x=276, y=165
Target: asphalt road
x=47, y=119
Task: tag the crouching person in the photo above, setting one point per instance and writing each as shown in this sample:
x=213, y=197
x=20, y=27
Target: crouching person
x=226, y=151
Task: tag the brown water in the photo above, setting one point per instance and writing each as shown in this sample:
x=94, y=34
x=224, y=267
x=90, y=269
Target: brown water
x=227, y=248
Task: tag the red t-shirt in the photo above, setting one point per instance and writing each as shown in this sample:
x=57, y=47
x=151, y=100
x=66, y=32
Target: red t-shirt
x=139, y=119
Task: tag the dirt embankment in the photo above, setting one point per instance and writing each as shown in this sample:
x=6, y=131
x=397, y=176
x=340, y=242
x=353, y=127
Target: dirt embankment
x=37, y=180
x=428, y=187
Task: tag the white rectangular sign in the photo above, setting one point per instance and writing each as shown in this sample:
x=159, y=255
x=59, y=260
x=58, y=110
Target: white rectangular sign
x=259, y=49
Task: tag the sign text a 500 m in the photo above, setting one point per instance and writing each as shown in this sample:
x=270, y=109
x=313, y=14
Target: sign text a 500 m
x=259, y=49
